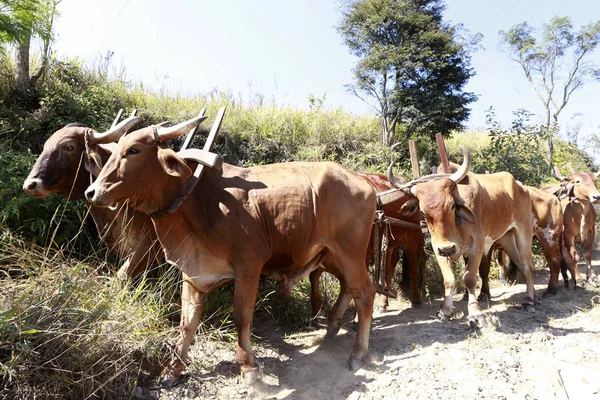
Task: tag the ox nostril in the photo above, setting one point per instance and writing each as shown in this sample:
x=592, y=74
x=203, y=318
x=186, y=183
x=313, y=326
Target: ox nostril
x=30, y=185
x=446, y=251
x=89, y=194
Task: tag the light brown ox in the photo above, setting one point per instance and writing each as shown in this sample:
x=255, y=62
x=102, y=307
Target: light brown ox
x=63, y=168
x=411, y=241
x=279, y=219
x=466, y=213
x=579, y=219
x=547, y=228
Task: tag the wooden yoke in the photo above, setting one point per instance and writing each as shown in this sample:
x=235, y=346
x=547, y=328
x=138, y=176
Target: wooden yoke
x=414, y=161
x=204, y=158
x=443, y=153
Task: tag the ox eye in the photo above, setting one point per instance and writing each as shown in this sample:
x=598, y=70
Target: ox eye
x=131, y=151
x=69, y=147
x=453, y=207
x=578, y=181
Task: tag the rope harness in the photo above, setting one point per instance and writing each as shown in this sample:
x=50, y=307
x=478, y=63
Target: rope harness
x=86, y=139
x=380, y=250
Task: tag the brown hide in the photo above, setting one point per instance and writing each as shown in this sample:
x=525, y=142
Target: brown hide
x=279, y=219
x=501, y=212
x=580, y=221
x=60, y=169
x=411, y=241
x=547, y=228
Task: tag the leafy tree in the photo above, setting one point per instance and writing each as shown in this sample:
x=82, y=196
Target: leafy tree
x=554, y=63
x=412, y=68
x=20, y=21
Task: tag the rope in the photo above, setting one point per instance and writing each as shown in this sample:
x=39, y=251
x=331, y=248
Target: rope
x=86, y=139
x=376, y=248
x=384, y=249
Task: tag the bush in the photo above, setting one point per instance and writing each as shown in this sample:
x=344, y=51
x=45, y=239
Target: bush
x=53, y=219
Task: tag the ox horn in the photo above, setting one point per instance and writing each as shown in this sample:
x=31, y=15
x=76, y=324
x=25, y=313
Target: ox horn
x=462, y=172
x=116, y=132
x=393, y=181
x=570, y=168
x=181, y=129
x=597, y=174
x=557, y=175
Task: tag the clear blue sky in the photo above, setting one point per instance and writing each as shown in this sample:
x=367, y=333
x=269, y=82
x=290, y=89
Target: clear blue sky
x=288, y=50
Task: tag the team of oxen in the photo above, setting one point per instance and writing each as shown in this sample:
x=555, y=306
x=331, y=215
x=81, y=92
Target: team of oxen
x=296, y=219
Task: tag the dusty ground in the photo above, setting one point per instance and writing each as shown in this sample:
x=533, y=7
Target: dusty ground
x=551, y=354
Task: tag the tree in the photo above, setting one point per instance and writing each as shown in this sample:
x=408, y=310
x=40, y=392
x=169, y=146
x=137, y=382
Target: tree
x=20, y=21
x=555, y=64
x=412, y=67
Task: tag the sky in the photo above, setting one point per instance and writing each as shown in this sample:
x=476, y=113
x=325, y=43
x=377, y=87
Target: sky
x=290, y=50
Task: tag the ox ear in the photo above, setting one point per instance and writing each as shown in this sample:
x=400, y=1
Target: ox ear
x=463, y=212
x=93, y=163
x=173, y=164
x=410, y=207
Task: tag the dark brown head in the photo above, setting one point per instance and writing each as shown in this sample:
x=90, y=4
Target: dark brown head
x=63, y=167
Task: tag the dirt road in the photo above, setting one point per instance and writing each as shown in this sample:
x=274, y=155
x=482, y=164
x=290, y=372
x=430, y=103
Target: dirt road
x=551, y=354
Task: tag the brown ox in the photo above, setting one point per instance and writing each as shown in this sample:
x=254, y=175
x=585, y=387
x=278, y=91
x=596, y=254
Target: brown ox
x=547, y=228
x=411, y=241
x=579, y=220
x=466, y=213
x=281, y=219
x=64, y=169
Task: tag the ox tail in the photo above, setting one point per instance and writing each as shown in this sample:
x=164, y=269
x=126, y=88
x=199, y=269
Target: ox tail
x=563, y=263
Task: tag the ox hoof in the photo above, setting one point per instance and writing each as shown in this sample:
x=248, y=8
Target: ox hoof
x=476, y=321
x=252, y=374
x=593, y=280
x=354, y=364
x=551, y=291
x=169, y=379
x=331, y=332
x=417, y=304
x=441, y=316
x=530, y=308
x=465, y=296
x=483, y=298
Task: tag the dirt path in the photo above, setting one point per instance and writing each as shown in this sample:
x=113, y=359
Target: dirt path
x=551, y=354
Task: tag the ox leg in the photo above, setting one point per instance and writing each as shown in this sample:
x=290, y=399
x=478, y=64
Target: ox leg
x=192, y=302
x=363, y=292
x=244, y=299
x=484, y=273
x=590, y=274
x=475, y=315
x=316, y=301
x=554, y=258
x=518, y=247
x=571, y=257
x=413, y=263
x=336, y=314
x=447, y=307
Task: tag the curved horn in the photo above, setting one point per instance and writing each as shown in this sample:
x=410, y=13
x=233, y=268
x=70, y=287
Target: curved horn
x=570, y=168
x=393, y=181
x=557, y=175
x=597, y=174
x=116, y=132
x=460, y=174
x=179, y=129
